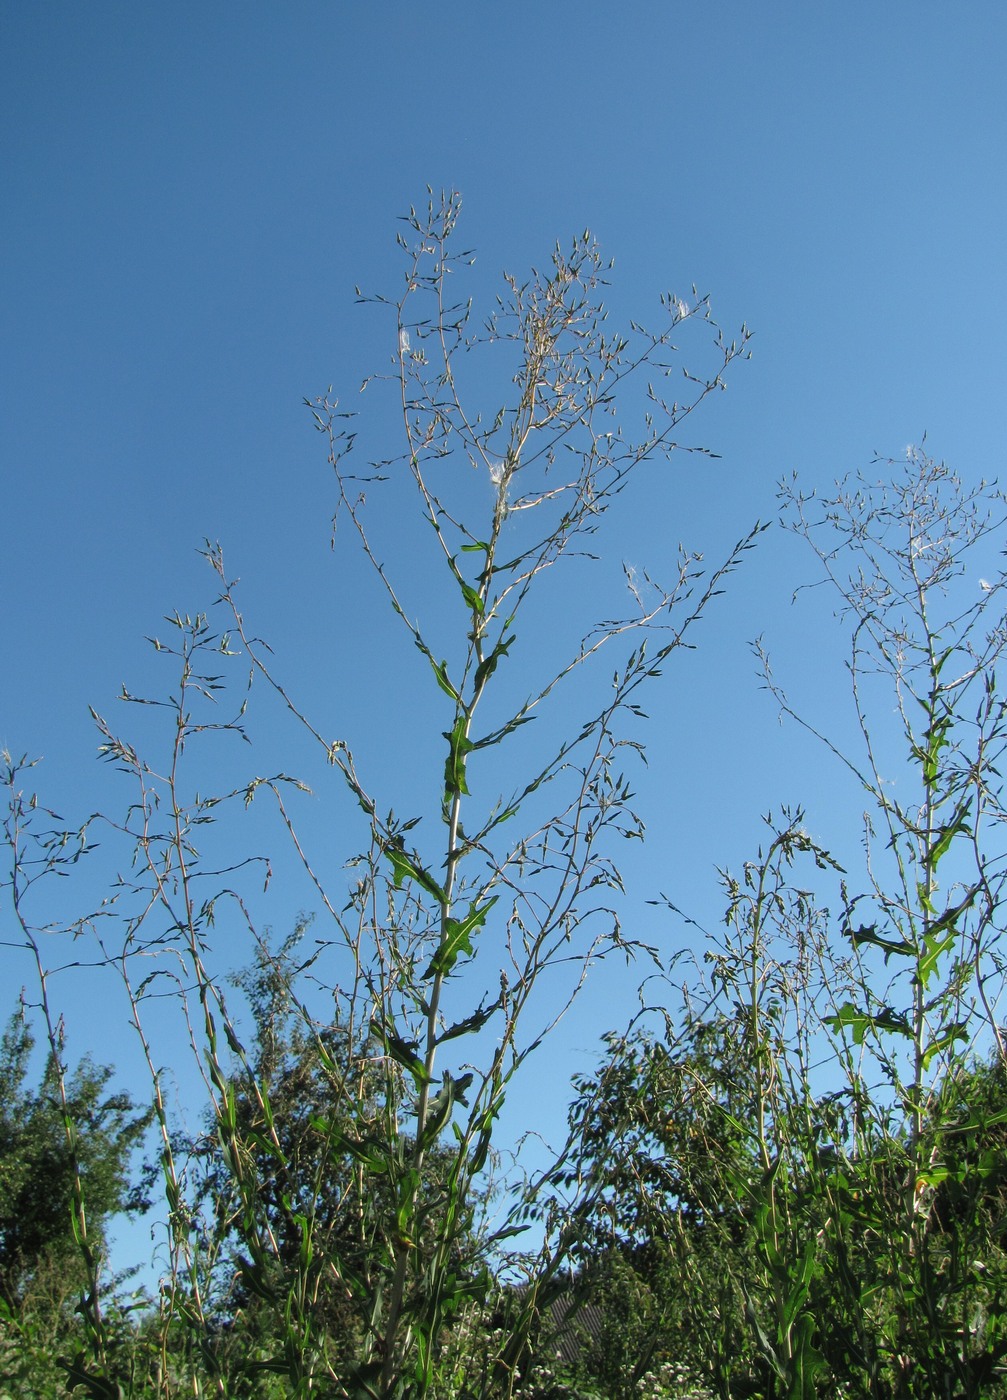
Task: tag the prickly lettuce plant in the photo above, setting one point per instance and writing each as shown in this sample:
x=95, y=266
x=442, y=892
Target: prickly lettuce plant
x=449, y=941
x=923, y=980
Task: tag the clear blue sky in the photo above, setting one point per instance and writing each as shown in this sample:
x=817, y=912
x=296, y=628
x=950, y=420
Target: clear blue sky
x=191, y=194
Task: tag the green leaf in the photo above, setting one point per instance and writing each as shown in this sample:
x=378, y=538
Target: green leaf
x=934, y=949
x=957, y=826
x=481, y=1152
x=408, y=1186
x=457, y=940
x=368, y=1152
x=868, y=933
x=254, y=1278
x=499, y=734
x=473, y=599
x=459, y=747
x=925, y=902
x=440, y=670
x=937, y=1175
x=937, y=739
x=957, y=1031
x=276, y=1366
x=469, y=1025
x=808, y=1361
x=848, y=1017
x=452, y=1091
x=487, y=666
x=764, y=1235
x=406, y=867
x=802, y=1282
x=96, y=1385
x=403, y=1052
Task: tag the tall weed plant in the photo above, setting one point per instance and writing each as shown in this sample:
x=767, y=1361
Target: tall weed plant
x=436, y=930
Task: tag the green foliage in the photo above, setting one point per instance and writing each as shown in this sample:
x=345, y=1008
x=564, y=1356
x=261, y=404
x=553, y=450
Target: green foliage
x=694, y=1151
x=55, y=1150
x=39, y=1165
x=306, y=1124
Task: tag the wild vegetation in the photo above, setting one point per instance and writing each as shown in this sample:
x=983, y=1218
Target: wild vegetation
x=784, y=1178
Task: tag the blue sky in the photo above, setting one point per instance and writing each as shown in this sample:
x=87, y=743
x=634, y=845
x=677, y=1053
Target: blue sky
x=192, y=194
